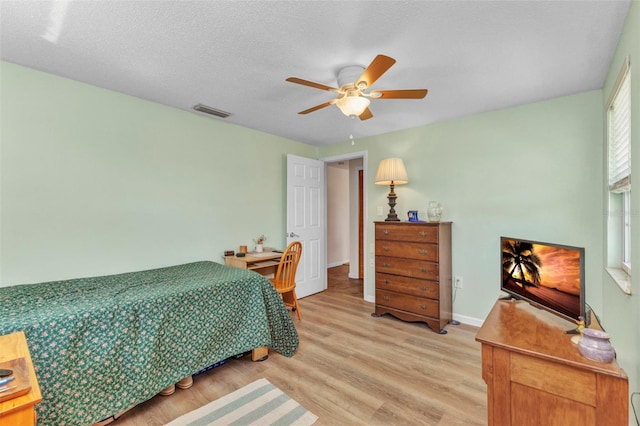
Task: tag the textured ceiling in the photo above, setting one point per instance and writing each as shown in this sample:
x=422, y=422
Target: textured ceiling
x=473, y=56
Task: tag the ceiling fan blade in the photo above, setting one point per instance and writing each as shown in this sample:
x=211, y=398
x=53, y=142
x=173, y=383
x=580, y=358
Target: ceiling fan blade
x=315, y=108
x=310, y=83
x=376, y=68
x=366, y=114
x=399, y=94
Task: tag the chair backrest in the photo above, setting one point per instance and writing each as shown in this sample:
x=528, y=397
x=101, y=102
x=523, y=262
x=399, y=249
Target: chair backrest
x=285, y=278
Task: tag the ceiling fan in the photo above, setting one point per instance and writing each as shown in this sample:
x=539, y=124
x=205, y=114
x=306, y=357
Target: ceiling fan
x=353, y=81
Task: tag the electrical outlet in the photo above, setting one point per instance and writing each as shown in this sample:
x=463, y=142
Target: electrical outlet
x=457, y=282
x=380, y=213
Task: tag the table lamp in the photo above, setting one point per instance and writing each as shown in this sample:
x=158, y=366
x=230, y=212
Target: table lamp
x=391, y=172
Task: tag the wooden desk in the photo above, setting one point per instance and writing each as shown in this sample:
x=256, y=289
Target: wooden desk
x=19, y=411
x=263, y=263
x=535, y=375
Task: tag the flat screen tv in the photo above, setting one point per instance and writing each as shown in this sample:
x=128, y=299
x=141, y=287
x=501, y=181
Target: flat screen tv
x=550, y=276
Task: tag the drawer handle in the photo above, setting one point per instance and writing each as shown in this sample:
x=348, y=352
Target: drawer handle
x=386, y=282
x=386, y=298
x=423, y=270
x=423, y=287
x=422, y=252
x=422, y=234
x=386, y=248
x=386, y=265
x=423, y=307
x=385, y=232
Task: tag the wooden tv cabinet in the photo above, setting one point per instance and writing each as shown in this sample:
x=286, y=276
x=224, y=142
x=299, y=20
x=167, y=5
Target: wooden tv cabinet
x=535, y=375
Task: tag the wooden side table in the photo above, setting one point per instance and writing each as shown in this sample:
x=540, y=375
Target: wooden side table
x=19, y=411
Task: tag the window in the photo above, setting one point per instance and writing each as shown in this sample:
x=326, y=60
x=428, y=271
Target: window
x=619, y=153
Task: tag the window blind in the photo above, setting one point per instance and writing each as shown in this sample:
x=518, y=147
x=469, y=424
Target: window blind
x=619, y=123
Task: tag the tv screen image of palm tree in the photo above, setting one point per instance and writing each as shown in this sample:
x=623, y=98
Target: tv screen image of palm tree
x=547, y=274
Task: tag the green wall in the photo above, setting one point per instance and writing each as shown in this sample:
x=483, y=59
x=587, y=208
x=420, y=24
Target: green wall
x=94, y=182
x=531, y=172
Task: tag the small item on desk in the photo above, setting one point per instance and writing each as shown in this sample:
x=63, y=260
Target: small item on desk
x=6, y=388
x=229, y=253
x=243, y=249
x=6, y=380
x=241, y=254
x=259, y=243
x=4, y=372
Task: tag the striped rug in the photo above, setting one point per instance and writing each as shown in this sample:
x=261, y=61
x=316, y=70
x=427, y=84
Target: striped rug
x=258, y=403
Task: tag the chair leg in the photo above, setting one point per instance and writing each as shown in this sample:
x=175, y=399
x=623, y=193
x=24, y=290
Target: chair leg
x=295, y=304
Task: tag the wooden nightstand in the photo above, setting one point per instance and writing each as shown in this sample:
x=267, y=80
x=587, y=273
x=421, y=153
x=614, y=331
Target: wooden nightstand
x=19, y=411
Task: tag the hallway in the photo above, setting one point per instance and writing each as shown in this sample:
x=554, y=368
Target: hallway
x=338, y=281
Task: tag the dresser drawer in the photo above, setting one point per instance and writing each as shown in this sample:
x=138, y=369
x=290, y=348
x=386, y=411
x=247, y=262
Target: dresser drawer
x=407, y=232
x=407, y=250
x=407, y=303
x=406, y=285
x=407, y=267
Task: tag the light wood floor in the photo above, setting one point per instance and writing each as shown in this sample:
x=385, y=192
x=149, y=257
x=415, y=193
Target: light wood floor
x=352, y=369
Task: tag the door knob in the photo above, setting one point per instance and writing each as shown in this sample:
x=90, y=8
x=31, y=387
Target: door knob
x=293, y=235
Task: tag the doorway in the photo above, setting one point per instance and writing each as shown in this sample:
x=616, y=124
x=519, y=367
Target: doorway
x=346, y=207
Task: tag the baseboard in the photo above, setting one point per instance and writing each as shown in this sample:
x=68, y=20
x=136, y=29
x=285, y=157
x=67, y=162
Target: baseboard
x=338, y=263
x=468, y=320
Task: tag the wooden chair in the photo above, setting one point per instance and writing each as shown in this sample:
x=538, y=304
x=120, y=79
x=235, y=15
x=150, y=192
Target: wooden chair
x=285, y=278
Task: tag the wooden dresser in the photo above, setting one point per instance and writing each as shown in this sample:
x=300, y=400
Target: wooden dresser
x=535, y=375
x=413, y=272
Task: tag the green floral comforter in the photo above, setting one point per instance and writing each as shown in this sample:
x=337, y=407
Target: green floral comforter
x=101, y=345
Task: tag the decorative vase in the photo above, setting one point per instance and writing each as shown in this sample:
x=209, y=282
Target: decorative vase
x=434, y=211
x=258, y=248
x=595, y=345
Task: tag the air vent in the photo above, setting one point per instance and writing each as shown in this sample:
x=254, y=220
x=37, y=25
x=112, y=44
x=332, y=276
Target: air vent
x=211, y=111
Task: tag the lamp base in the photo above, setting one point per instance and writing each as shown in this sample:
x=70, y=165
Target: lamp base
x=392, y=216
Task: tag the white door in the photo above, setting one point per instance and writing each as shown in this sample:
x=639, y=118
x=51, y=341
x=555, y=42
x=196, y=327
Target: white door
x=306, y=222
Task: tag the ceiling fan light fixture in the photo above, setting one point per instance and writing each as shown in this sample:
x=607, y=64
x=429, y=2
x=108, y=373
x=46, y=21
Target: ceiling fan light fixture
x=353, y=105
x=352, y=82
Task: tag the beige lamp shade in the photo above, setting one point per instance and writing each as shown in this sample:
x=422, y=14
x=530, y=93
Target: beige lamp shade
x=391, y=170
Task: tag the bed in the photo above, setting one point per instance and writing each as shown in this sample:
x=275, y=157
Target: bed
x=102, y=345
